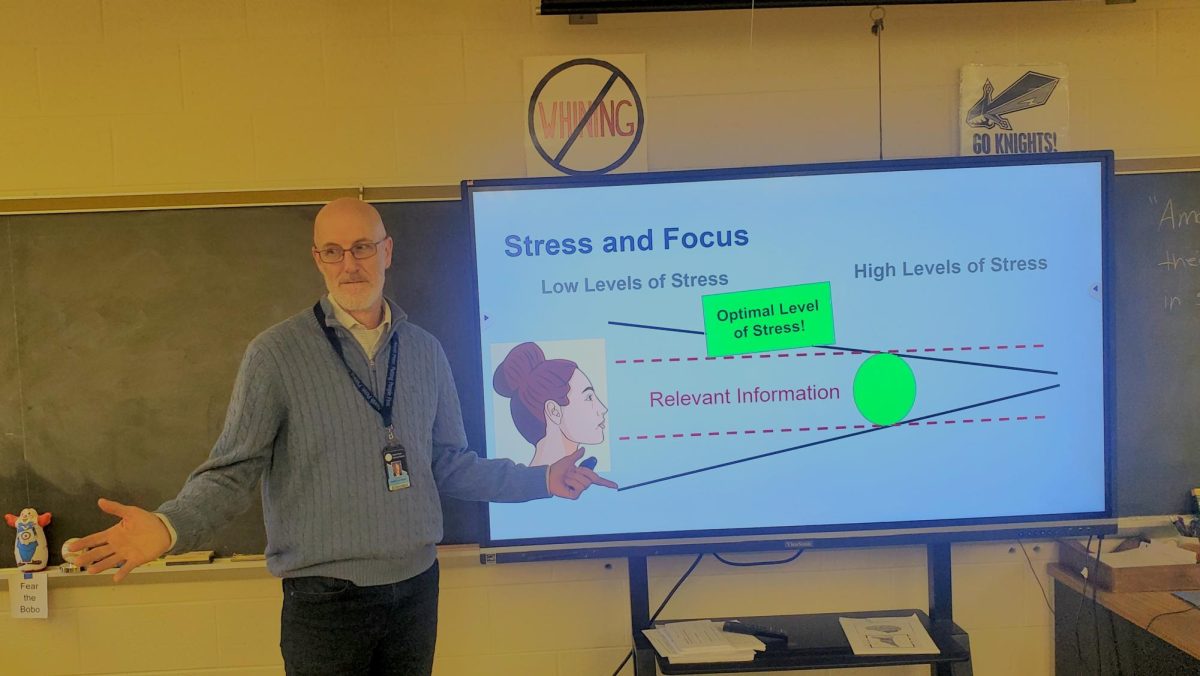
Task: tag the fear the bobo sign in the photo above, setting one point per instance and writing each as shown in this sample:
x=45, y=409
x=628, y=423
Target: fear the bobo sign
x=585, y=115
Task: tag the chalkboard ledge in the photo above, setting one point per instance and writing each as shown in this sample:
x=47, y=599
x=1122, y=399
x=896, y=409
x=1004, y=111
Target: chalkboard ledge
x=221, y=569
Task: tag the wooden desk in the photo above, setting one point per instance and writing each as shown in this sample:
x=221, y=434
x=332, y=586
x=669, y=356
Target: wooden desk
x=1171, y=645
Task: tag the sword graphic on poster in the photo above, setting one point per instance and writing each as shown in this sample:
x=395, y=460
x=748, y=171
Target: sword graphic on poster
x=1030, y=114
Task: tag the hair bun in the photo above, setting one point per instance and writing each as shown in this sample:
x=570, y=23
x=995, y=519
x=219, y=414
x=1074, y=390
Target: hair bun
x=516, y=367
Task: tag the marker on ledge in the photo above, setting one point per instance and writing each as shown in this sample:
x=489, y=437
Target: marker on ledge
x=248, y=557
x=205, y=556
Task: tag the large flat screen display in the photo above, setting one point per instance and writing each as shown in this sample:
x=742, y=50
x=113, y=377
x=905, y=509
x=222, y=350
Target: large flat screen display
x=823, y=348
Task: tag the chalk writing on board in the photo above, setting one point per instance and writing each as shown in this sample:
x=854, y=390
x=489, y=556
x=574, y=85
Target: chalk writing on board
x=1174, y=217
x=1173, y=261
x=1180, y=258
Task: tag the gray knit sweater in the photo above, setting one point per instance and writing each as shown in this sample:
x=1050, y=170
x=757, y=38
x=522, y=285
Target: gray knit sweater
x=296, y=421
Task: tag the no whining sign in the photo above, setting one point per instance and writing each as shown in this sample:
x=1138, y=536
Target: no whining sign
x=585, y=115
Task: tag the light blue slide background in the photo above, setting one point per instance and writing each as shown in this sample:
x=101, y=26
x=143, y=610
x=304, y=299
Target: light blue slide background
x=810, y=229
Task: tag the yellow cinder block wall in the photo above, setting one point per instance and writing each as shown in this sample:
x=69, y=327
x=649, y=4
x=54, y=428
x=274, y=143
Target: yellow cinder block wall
x=143, y=96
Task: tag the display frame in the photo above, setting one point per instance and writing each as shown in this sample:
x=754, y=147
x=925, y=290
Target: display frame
x=878, y=533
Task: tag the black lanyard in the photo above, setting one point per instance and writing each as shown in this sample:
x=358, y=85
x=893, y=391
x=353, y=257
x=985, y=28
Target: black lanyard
x=389, y=394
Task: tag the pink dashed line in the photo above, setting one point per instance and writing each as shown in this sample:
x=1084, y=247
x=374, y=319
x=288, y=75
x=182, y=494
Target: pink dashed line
x=823, y=428
x=839, y=353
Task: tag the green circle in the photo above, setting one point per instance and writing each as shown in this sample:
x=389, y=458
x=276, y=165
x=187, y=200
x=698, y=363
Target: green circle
x=884, y=389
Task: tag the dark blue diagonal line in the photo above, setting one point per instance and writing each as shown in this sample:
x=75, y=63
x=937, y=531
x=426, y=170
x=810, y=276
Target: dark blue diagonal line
x=837, y=438
x=949, y=361
x=583, y=120
x=657, y=328
x=866, y=351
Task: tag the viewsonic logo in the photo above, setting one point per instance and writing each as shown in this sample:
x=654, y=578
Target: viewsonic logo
x=1029, y=91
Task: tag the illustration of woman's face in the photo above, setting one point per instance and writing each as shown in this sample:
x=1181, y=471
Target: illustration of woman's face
x=583, y=416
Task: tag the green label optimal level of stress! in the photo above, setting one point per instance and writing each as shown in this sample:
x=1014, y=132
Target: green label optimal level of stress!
x=762, y=320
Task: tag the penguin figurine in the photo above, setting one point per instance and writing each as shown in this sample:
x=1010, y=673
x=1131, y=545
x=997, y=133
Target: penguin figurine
x=31, y=550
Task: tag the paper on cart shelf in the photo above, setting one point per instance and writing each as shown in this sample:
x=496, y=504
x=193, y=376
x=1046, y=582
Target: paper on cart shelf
x=888, y=636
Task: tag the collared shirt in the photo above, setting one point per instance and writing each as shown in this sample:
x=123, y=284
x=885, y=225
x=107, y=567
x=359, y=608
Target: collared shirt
x=368, y=338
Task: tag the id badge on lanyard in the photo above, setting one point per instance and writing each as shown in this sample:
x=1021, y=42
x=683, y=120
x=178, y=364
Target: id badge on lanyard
x=395, y=463
x=395, y=456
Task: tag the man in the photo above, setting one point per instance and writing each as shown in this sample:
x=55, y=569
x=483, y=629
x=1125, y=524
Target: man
x=325, y=405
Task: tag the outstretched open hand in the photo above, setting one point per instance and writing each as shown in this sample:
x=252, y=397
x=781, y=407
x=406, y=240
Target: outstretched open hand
x=139, y=537
x=568, y=480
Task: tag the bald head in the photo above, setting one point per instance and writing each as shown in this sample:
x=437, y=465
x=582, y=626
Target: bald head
x=353, y=230
x=347, y=217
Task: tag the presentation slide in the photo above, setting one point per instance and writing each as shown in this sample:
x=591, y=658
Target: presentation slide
x=799, y=351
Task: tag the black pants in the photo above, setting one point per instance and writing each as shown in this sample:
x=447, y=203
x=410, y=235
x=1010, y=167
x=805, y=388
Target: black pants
x=331, y=626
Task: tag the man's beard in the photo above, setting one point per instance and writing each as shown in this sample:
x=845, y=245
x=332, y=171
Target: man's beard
x=355, y=299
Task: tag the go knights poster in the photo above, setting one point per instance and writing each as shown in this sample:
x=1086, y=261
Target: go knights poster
x=1006, y=110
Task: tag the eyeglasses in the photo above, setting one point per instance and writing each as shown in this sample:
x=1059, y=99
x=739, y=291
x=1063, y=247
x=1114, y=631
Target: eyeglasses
x=332, y=253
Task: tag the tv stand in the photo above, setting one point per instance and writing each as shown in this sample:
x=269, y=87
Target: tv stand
x=816, y=640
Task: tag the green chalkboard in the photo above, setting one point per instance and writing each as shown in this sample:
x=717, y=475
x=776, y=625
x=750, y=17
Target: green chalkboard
x=1156, y=343
x=121, y=333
